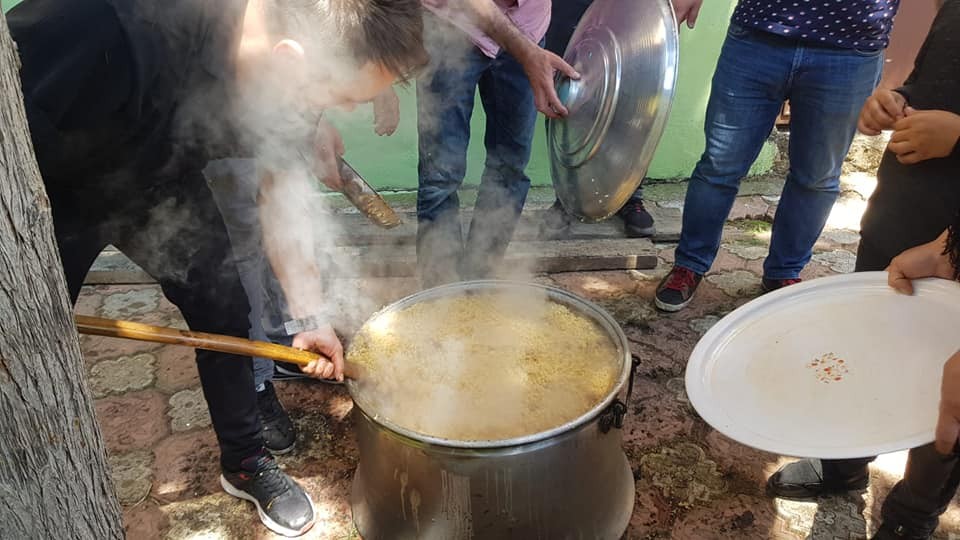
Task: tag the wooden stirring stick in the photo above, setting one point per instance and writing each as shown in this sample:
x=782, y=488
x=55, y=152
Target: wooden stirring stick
x=199, y=340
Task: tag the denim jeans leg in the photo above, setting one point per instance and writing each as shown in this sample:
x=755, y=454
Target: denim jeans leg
x=445, y=98
x=827, y=93
x=511, y=117
x=234, y=185
x=748, y=90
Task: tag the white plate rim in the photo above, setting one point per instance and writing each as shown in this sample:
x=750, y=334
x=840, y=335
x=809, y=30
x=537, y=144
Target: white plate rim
x=699, y=393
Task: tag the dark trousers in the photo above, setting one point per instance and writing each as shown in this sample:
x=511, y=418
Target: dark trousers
x=175, y=233
x=930, y=479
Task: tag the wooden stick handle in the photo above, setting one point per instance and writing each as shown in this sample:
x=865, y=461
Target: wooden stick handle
x=198, y=340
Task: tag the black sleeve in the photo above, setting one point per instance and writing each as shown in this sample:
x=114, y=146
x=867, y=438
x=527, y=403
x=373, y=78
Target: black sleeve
x=936, y=70
x=76, y=76
x=907, y=89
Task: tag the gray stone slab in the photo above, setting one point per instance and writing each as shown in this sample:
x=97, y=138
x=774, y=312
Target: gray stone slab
x=555, y=256
x=357, y=230
x=399, y=260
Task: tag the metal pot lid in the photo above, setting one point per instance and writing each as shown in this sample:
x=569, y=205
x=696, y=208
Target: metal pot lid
x=626, y=52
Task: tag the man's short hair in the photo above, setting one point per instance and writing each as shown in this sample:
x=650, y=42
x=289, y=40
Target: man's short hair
x=384, y=32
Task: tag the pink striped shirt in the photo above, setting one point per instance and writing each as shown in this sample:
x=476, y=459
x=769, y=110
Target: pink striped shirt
x=532, y=17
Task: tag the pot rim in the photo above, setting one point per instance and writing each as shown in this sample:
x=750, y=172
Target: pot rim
x=581, y=306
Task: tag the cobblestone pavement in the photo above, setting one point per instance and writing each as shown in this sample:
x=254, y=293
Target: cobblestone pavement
x=692, y=483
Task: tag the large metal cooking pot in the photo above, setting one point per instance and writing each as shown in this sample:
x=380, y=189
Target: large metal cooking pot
x=572, y=481
x=627, y=53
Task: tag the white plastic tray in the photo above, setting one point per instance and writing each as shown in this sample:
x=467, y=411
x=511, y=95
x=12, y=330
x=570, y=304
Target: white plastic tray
x=750, y=377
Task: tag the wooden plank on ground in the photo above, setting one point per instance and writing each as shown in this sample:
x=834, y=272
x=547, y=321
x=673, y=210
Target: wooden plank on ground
x=577, y=255
x=550, y=257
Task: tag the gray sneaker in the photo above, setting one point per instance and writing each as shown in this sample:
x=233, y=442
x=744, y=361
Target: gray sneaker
x=284, y=507
x=556, y=223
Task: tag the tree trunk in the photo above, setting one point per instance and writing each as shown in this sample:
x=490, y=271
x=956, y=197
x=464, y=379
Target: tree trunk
x=54, y=481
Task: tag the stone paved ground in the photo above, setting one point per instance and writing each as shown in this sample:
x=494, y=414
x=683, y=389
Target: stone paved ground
x=692, y=483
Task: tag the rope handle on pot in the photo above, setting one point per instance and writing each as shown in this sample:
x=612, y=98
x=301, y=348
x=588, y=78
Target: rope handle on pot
x=634, y=365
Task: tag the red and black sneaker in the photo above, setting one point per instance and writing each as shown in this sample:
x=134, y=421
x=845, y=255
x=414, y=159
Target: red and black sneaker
x=676, y=290
x=284, y=507
x=770, y=285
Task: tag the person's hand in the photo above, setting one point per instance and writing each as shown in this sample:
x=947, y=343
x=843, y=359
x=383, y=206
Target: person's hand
x=923, y=261
x=540, y=65
x=328, y=146
x=881, y=111
x=687, y=11
x=323, y=341
x=923, y=135
x=386, y=112
x=948, y=423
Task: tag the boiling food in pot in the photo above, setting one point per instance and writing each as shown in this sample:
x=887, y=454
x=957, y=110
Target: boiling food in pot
x=484, y=366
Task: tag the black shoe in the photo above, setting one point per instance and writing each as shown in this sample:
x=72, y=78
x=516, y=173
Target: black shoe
x=556, y=223
x=804, y=479
x=676, y=290
x=282, y=504
x=637, y=222
x=284, y=371
x=279, y=435
x=891, y=532
x=770, y=285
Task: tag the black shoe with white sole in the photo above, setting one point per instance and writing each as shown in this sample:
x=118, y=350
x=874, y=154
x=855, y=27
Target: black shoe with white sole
x=284, y=507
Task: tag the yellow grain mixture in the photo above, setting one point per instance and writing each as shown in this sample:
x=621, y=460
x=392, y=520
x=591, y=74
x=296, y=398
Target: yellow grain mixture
x=484, y=366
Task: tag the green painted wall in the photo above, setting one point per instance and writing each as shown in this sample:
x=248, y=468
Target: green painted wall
x=391, y=162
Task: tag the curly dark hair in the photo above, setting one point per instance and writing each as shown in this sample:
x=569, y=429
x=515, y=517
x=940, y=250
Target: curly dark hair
x=953, y=246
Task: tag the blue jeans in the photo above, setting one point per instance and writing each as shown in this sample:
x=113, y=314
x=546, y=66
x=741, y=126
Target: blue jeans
x=756, y=73
x=235, y=185
x=445, y=98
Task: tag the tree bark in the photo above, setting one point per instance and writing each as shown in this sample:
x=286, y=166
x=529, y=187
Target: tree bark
x=54, y=481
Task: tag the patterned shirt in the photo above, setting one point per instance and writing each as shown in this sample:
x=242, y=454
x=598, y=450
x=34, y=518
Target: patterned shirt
x=848, y=24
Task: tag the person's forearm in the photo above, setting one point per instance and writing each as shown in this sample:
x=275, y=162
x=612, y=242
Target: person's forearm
x=290, y=249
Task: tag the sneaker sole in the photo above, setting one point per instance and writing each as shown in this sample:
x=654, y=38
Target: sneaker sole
x=281, y=451
x=639, y=233
x=269, y=523
x=671, y=308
